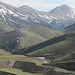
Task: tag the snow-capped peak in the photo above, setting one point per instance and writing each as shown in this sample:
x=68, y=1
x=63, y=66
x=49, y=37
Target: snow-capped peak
x=64, y=10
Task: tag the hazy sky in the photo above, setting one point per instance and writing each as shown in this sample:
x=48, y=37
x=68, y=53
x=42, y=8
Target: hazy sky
x=42, y=5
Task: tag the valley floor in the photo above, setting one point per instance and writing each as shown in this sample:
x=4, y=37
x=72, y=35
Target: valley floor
x=6, y=66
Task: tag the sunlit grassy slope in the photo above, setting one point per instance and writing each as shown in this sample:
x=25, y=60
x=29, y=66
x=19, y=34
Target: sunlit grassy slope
x=23, y=38
x=70, y=56
x=60, y=46
x=69, y=29
x=20, y=58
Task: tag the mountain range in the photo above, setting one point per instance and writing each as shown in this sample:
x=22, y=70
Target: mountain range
x=31, y=36
x=12, y=18
x=25, y=30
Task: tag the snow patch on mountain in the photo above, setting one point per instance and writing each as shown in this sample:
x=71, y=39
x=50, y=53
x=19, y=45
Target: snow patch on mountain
x=26, y=16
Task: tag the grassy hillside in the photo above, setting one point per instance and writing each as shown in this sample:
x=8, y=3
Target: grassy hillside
x=69, y=29
x=18, y=39
x=44, y=32
x=70, y=56
x=23, y=38
x=20, y=58
x=59, y=47
x=16, y=71
x=3, y=52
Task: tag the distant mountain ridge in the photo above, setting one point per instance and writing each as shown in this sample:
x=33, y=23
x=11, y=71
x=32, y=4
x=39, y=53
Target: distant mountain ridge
x=64, y=11
x=12, y=18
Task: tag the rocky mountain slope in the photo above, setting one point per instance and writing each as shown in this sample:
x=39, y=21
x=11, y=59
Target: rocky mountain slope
x=15, y=18
x=65, y=14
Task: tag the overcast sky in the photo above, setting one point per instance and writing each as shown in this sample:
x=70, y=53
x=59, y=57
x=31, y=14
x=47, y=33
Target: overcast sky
x=42, y=5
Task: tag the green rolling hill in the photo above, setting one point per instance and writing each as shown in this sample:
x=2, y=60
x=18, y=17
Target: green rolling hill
x=24, y=38
x=67, y=57
x=59, y=47
x=69, y=29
